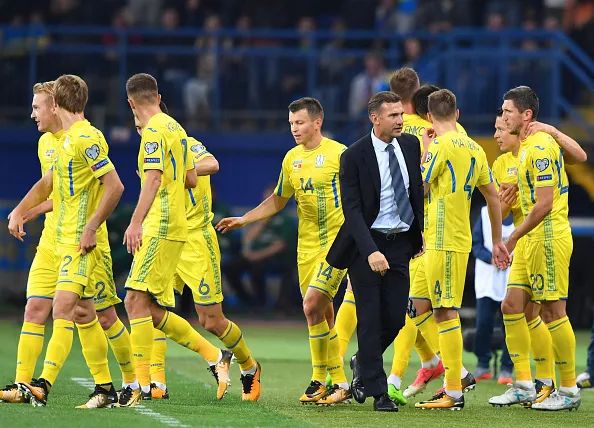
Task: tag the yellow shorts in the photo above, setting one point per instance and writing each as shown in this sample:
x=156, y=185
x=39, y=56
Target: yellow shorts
x=75, y=270
x=315, y=272
x=153, y=267
x=445, y=275
x=105, y=289
x=199, y=267
x=418, y=280
x=43, y=274
x=518, y=274
x=548, y=268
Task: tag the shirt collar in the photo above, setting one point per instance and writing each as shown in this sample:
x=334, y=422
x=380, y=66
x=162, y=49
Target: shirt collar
x=379, y=144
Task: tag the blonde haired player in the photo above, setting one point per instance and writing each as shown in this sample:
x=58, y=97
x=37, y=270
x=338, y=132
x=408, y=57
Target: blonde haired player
x=87, y=190
x=310, y=173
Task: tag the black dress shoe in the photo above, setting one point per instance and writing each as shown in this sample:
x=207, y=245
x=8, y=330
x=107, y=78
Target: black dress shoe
x=383, y=403
x=357, y=384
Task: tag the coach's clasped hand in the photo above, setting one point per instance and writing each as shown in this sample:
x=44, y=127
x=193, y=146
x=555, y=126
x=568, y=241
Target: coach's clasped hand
x=378, y=263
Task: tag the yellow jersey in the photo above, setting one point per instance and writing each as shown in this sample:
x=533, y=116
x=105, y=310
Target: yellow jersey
x=312, y=176
x=82, y=159
x=199, y=199
x=541, y=165
x=455, y=165
x=164, y=147
x=47, y=151
x=505, y=171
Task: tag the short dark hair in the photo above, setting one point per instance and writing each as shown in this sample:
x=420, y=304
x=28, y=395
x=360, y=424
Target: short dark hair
x=142, y=88
x=420, y=99
x=442, y=104
x=404, y=82
x=314, y=107
x=163, y=107
x=379, y=99
x=499, y=112
x=71, y=93
x=524, y=98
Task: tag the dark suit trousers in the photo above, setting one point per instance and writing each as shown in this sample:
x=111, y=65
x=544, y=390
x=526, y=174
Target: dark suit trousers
x=381, y=306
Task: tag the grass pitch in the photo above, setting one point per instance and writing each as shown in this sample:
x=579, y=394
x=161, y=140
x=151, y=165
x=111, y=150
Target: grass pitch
x=283, y=351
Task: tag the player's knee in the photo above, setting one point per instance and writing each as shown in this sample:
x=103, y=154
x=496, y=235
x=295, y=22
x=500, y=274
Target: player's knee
x=136, y=301
x=37, y=310
x=63, y=310
x=532, y=311
x=553, y=311
x=83, y=315
x=508, y=307
x=107, y=318
x=313, y=312
x=421, y=306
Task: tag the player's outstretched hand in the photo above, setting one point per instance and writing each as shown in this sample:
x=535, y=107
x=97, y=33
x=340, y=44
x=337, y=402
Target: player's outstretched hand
x=230, y=223
x=15, y=225
x=508, y=193
x=501, y=255
x=133, y=237
x=88, y=241
x=534, y=127
x=378, y=263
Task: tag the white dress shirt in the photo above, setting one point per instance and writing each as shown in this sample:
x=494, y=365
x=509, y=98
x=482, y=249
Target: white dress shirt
x=388, y=219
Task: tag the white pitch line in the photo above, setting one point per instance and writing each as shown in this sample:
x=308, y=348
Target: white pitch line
x=164, y=419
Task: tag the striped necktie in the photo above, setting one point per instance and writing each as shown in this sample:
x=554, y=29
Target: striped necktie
x=400, y=195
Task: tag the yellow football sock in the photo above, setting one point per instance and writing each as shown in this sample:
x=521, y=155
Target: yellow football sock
x=318, y=345
x=335, y=365
x=564, y=348
x=119, y=340
x=58, y=349
x=30, y=346
x=346, y=322
x=403, y=345
x=94, y=349
x=179, y=330
x=428, y=328
x=425, y=351
x=141, y=338
x=450, y=343
x=517, y=338
x=158, y=356
x=233, y=340
x=541, y=348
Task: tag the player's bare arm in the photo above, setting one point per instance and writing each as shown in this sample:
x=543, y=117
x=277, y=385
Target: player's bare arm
x=191, y=179
x=543, y=206
x=269, y=207
x=133, y=235
x=36, y=211
x=207, y=166
x=572, y=151
x=500, y=253
x=113, y=189
x=38, y=193
x=508, y=194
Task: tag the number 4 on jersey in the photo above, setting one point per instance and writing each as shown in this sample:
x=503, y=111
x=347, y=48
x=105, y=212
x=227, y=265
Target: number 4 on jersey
x=307, y=186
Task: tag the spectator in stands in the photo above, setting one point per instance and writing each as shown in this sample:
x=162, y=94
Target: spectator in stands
x=143, y=13
x=230, y=242
x=395, y=15
x=490, y=286
x=270, y=246
x=370, y=81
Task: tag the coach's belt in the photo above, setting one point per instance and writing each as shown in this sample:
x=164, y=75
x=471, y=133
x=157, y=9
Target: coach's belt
x=388, y=236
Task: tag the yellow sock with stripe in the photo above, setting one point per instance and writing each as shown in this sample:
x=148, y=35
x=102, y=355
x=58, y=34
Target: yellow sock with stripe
x=180, y=331
x=94, y=349
x=119, y=340
x=346, y=322
x=425, y=351
x=141, y=338
x=58, y=349
x=318, y=345
x=158, y=356
x=450, y=343
x=564, y=348
x=428, y=328
x=233, y=340
x=541, y=348
x=517, y=338
x=30, y=347
x=335, y=365
x=403, y=345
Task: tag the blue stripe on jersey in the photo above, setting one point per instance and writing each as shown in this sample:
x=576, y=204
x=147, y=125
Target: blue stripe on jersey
x=335, y=190
x=449, y=164
x=564, y=189
x=192, y=197
x=531, y=187
x=173, y=162
x=431, y=168
x=558, y=165
x=70, y=177
x=280, y=184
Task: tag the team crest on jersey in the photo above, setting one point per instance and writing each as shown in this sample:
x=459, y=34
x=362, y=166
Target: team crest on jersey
x=197, y=148
x=320, y=161
x=297, y=164
x=92, y=152
x=49, y=153
x=512, y=171
x=429, y=157
x=542, y=164
x=151, y=148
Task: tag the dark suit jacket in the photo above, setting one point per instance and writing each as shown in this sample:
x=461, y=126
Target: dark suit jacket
x=360, y=195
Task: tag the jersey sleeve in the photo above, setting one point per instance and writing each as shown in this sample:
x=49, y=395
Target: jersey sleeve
x=95, y=154
x=153, y=152
x=542, y=165
x=284, y=188
x=434, y=163
x=200, y=152
x=485, y=176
